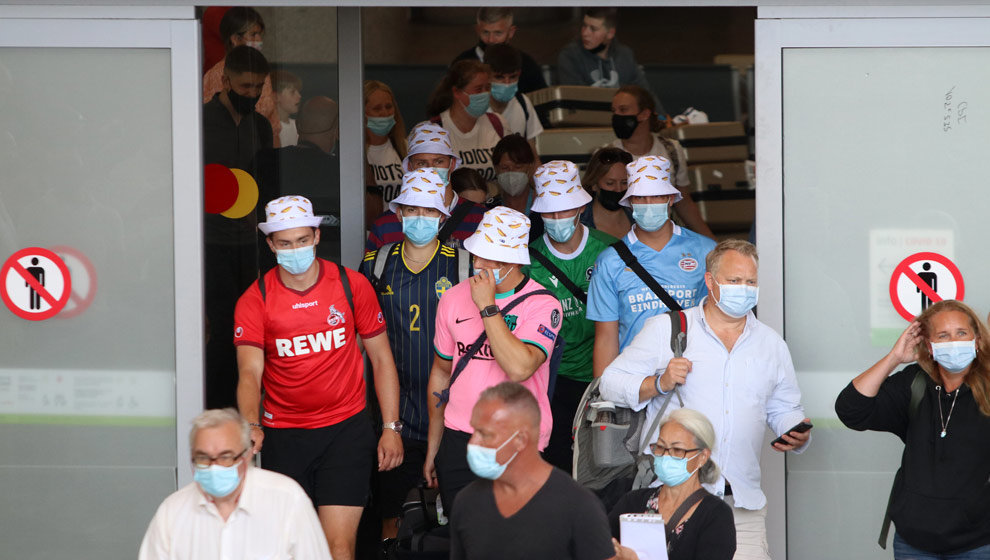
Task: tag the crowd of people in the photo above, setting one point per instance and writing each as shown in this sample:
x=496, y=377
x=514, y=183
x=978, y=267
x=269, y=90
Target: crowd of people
x=494, y=292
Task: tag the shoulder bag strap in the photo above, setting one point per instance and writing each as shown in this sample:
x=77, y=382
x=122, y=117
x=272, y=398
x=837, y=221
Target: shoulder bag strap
x=261, y=286
x=917, y=392
x=671, y=526
x=496, y=124
x=380, y=263
x=453, y=221
x=463, y=361
x=559, y=275
x=346, y=283
x=627, y=257
x=522, y=103
x=463, y=264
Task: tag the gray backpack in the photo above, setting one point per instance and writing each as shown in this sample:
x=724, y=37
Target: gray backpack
x=607, y=436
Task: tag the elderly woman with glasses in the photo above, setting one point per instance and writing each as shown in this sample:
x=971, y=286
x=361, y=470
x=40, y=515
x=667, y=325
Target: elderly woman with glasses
x=698, y=524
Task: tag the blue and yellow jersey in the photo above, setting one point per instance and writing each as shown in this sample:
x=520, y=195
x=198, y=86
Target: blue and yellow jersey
x=409, y=302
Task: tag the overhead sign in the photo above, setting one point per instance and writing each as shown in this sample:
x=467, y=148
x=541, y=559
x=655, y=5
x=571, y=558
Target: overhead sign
x=923, y=279
x=35, y=283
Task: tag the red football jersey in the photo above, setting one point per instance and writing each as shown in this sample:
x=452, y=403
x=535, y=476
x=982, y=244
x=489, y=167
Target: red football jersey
x=313, y=373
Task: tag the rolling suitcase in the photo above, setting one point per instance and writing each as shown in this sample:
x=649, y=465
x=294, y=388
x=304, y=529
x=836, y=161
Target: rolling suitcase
x=567, y=106
x=710, y=142
x=572, y=144
x=724, y=194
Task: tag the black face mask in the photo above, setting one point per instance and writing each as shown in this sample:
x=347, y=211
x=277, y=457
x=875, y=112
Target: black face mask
x=242, y=104
x=610, y=199
x=624, y=126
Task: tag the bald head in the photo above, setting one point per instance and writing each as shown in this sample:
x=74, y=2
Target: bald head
x=317, y=122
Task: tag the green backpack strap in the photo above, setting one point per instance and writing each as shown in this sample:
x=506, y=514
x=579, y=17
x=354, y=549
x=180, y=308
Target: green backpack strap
x=917, y=392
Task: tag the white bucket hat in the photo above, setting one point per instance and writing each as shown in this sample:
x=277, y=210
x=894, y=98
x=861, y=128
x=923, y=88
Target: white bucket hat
x=288, y=212
x=558, y=187
x=649, y=176
x=502, y=235
x=427, y=138
x=421, y=187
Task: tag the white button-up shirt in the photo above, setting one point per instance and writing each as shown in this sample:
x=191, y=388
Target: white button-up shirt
x=739, y=391
x=274, y=518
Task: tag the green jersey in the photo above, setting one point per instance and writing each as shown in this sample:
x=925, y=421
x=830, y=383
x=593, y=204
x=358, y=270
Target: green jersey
x=578, y=332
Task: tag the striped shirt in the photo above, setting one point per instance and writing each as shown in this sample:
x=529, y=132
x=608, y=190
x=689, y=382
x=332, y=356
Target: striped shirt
x=388, y=229
x=409, y=301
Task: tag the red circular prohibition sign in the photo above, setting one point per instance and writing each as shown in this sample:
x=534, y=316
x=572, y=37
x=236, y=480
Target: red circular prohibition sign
x=11, y=264
x=905, y=268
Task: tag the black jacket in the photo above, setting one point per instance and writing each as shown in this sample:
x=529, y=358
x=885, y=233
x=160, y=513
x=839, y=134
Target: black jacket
x=942, y=504
x=530, y=77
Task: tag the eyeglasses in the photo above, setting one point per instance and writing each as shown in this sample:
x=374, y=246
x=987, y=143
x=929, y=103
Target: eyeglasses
x=203, y=461
x=675, y=452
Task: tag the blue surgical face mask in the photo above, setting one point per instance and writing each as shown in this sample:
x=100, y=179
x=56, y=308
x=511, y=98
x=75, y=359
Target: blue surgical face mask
x=296, y=261
x=443, y=172
x=735, y=300
x=483, y=462
x=504, y=92
x=954, y=356
x=420, y=230
x=497, y=272
x=216, y=480
x=560, y=230
x=381, y=125
x=671, y=471
x=478, y=104
x=650, y=217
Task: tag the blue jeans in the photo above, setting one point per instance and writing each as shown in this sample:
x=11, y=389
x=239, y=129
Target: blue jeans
x=904, y=551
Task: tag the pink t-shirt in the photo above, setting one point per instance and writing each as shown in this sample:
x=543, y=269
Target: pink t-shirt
x=535, y=321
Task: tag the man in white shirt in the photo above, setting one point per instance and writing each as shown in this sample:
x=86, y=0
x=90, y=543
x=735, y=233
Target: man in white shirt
x=735, y=370
x=233, y=510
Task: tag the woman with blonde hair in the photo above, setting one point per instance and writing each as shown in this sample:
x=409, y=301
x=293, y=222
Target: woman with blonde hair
x=940, y=408
x=460, y=105
x=384, y=140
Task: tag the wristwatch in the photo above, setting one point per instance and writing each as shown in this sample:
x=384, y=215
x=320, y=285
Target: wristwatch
x=394, y=426
x=657, y=385
x=490, y=311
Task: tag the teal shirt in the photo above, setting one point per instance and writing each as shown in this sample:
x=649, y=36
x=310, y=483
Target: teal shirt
x=577, y=330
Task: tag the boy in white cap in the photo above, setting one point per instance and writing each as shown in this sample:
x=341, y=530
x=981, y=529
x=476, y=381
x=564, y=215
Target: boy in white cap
x=619, y=301
x=519, y=320
x=296, y=333
x=429, y=147
x=563, y=260
x=409, y=277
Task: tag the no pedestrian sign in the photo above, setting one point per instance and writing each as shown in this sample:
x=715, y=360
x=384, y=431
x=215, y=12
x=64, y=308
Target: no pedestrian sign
x=923, y=279
x=35, y=284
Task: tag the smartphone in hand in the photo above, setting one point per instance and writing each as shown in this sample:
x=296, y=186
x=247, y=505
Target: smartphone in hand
x=800, y=428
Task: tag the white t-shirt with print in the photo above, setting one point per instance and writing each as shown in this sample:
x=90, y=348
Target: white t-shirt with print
x=475, y=147
x=387, y=167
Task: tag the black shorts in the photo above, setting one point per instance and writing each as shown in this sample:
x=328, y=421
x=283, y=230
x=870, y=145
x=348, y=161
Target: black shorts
x=394, y=485
x=333, y=464
x=453, y=472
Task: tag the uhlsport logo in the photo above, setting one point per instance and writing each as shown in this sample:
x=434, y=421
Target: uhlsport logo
x=335, y=317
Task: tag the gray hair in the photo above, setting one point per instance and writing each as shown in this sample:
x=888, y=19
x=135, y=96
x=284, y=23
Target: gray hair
x=217, y=417
x=698, y=425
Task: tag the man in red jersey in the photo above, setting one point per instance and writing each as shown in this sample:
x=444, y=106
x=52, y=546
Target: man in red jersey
x=296, y=334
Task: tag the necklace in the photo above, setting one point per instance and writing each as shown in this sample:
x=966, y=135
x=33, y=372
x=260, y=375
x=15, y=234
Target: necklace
x=945, y=423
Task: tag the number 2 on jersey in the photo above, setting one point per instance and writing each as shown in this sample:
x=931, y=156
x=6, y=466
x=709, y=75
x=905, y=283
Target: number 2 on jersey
x=414, y=321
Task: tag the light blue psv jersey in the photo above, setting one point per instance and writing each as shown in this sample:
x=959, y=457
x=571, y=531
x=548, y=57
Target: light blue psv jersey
x=617, y=294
